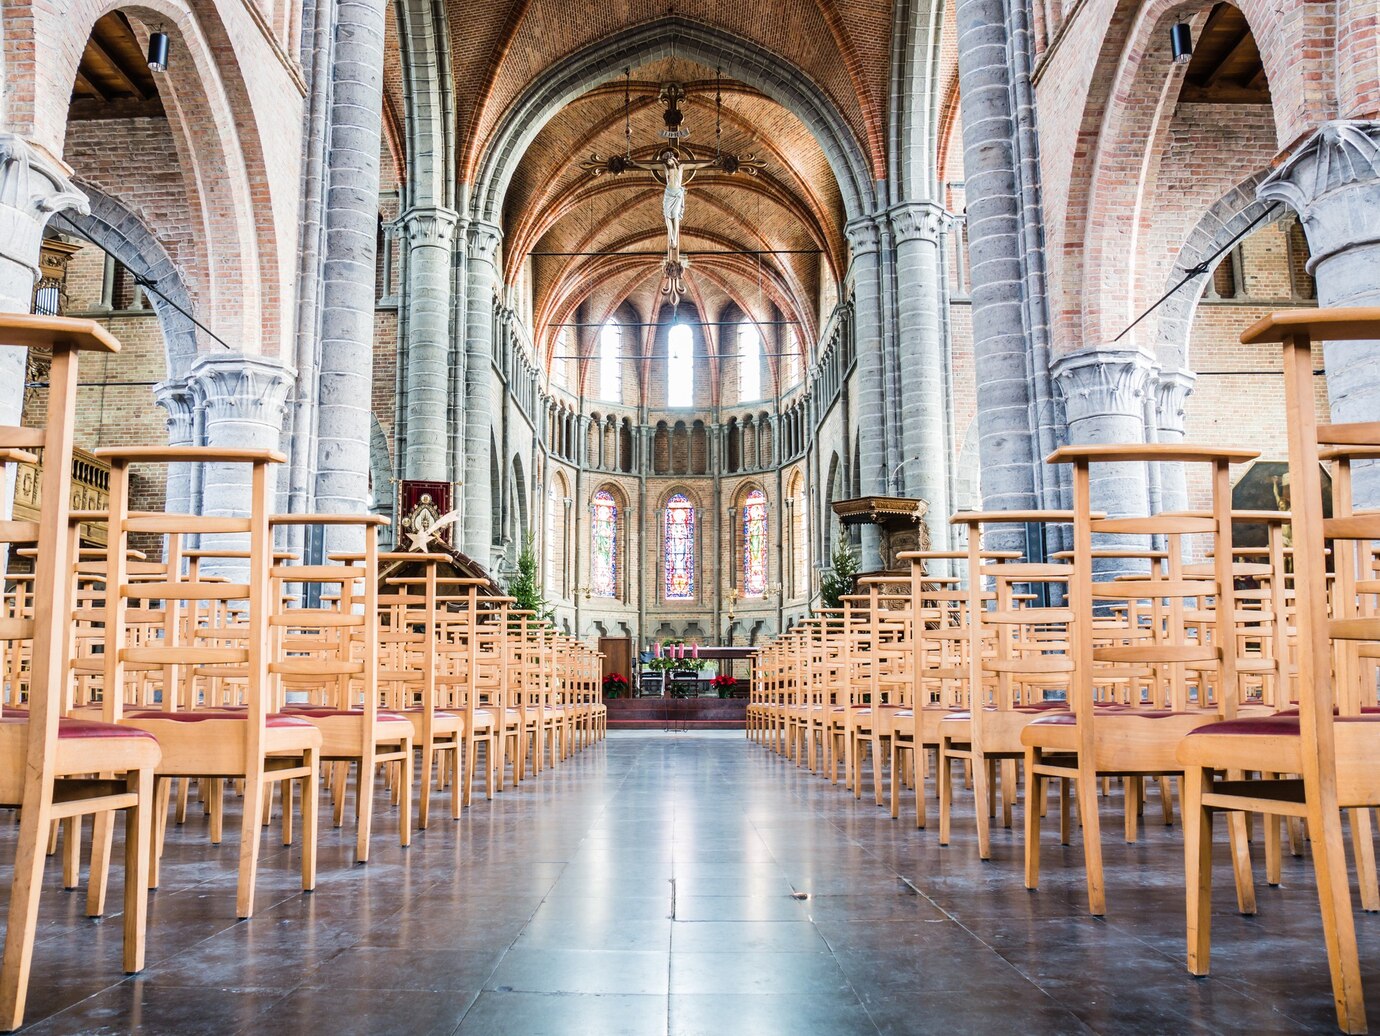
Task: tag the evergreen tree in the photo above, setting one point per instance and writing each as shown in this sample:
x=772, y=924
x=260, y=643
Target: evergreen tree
x=843, y=579
x=525, y=587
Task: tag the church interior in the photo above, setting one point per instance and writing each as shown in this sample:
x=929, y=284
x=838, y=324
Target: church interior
x=530, y=516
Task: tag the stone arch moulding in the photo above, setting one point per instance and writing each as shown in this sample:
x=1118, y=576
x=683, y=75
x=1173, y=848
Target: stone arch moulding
x=1224, y=220
x=428, y=94
x=213, y=118
x=596, y=64
x=132, y=243
x=914, y=144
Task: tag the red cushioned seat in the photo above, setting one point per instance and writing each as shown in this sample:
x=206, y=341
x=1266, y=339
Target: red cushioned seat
x=321, y=712
x=72, y=729
x=276, y=720
x=1068, y=718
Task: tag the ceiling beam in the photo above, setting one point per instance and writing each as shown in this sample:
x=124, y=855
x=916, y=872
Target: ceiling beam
x=116, y=68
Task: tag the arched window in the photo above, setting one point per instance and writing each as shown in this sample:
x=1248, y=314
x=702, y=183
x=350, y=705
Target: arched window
x=610, y=362
x=678, y=545
x=749, y=361
x=603, y=552
x=755, y=544
x=680, y=367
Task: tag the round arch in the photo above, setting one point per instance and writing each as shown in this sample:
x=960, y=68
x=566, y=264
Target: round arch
x=790, y=87
x=244, y=224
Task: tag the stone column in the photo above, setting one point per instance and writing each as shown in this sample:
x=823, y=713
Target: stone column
x=925, y=456
x=33, y=186
x=175, y=397
x=429, y=233
x=244, y=403
x=864, y=239
x=477, y=493
x=1105, y=393
x=1172, y=389
x=1001, y=359
x=1333, y=182
x=345, y=378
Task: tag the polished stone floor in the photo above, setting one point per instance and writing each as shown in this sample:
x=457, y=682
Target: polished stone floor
x=683, y=883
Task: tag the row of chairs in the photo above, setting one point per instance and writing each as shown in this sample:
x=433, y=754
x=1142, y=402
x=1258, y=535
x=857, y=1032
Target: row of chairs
x=1153, y=652
x=227, y=665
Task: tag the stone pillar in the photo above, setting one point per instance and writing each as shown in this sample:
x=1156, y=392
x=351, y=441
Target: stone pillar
x=1333, y=182
x=481, y=281
x=175, y=397
x=345, y=378
x=864, y=239
x=925, y=455
x=1172, y=389
x=244, y=403
x=1001, y=358
x=1105, y=393
x=33, y=186
x=429, y=233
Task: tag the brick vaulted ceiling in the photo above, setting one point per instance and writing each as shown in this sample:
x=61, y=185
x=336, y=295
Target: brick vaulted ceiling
x=791, y=214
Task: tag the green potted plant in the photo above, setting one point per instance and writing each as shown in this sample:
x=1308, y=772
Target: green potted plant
x=842, y=580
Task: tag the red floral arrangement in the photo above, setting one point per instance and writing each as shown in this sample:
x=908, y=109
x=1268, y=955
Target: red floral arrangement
x=615, y=684
x=724, y=684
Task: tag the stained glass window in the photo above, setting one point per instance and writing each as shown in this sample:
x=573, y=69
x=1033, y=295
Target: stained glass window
x=680, y=366
x=679, y=544
x=610, y=381
x=603, y=556
x=755, y=544
x=749, y=361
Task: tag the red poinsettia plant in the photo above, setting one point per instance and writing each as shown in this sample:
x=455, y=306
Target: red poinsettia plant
x=724, y=684
x=615, y=685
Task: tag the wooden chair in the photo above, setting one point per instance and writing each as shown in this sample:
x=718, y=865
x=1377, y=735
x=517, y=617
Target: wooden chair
x=1329, y=743
x=409, y=638
x=53, y=767
x=252, y=744
x=937, y=665
x=1015, y=653
x=462, y=631
x=1088, y=741
x=337, y=650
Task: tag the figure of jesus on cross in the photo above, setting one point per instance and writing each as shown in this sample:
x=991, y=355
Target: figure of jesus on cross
x=674, y=168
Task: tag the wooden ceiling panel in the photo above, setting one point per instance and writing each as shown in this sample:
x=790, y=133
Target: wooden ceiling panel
x=113, y=78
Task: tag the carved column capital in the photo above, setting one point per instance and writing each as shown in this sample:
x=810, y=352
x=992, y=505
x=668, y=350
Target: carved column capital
x=175, y=396
x=483, y=240
x=918, y=221
x=33, y=186
x=1172, y=389
x=246, y=390
x=434, y=226
x=1333, y=182
x=1101, y=382
x=864, y=236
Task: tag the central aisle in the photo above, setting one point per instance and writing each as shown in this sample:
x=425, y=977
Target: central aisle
x=690, y=883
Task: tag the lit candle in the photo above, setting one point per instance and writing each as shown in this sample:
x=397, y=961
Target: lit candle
x=658, y=649
x=697, y=651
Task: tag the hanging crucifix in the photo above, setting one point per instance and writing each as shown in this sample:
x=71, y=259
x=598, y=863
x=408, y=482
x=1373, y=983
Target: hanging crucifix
x=674, y=168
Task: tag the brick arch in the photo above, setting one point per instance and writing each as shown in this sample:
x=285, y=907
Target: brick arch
x=134, y=244
x=740, y=59
x=213, y=122
x=1108, y=273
